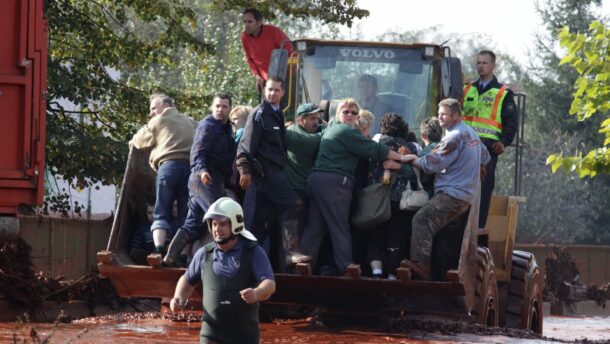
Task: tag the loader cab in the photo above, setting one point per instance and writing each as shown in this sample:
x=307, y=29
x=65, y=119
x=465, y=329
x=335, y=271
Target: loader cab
x=382, y=77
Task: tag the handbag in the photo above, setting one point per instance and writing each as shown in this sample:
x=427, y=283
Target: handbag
x=373, y=207
x=414, y=199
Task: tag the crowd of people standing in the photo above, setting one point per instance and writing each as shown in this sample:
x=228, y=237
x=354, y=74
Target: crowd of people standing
x=294, y=184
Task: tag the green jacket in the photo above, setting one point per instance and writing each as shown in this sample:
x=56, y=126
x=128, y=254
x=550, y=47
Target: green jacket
x=341, y=147
x=302, y=152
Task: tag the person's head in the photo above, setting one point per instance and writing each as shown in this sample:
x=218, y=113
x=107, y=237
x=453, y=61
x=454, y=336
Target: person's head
x=253, y=21
x=308, y=117
x=225, y=219
x=274, y=89
x=431, y=130
x=347, y=111
x=486, y=63
x=367, y=87
x=150, y=208
x=392, y=124
x=158, y=103
x=221, y=106
x=449, y=112
x=238, y=116
x=364, y=122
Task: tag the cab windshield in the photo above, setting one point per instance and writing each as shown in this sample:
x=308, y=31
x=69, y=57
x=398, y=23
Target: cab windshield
x=382, y=80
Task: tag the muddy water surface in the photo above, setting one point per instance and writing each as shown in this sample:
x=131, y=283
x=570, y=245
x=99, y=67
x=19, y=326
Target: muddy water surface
x=157, y=330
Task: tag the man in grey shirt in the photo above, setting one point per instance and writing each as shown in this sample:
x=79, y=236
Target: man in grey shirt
x=456, y=162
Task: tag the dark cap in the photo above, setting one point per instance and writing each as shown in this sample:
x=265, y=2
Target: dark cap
x=307, y=109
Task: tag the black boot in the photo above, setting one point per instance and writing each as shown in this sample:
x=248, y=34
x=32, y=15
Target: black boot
x=160, y=250
x=290, y=242
x=180, y=240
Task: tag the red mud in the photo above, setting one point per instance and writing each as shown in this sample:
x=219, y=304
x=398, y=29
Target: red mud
x=26, y=289
x=151, y=328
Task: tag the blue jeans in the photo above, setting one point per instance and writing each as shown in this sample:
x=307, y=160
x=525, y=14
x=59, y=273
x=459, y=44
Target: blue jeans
x=201, y=197
x=171, y=184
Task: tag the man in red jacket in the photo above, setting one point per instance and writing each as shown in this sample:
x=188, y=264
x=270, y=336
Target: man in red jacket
x=259, y=40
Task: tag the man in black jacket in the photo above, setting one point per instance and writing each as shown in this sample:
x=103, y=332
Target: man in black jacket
x=261, y=157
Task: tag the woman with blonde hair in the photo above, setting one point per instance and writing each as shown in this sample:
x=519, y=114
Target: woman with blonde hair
x=330, y=185
x=238, y=117
x=365, y=122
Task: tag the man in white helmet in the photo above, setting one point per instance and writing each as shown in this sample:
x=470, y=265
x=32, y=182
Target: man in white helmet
x=235, y=273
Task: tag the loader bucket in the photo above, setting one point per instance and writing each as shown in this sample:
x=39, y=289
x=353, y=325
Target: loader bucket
x=143, y=281
x=138, y=186
x=368, y=299
x=347, y=298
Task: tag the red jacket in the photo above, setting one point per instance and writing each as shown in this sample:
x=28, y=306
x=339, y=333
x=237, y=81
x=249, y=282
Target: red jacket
x=258, y=49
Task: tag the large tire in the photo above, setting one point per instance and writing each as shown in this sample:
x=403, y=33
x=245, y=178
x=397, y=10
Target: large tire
x=524, y=302
x=485, y=307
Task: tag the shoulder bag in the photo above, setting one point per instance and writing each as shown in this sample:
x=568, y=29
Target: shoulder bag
x=373, y=208
x=414, y=199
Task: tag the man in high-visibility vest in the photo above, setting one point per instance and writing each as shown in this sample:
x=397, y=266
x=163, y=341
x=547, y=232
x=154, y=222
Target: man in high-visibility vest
x=489, y=108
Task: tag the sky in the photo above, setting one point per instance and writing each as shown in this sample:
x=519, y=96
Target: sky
x=511, y=24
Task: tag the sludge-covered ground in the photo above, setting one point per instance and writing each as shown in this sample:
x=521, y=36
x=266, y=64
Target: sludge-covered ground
x=157, y=328
x=22, y=287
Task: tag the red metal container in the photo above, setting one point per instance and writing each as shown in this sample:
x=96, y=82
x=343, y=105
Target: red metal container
x=23, y=77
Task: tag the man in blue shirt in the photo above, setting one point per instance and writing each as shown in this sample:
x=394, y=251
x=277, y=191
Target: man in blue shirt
x=236, y=275
x=211, y=162
x=456, y=163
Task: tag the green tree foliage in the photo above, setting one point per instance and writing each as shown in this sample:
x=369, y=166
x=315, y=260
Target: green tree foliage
x=91, y=112
x=560, y=207
x=589, y=55
x=106, y=57
x=326, y=11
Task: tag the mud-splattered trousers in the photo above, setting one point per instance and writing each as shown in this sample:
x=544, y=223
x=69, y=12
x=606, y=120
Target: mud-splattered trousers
x=441, y=210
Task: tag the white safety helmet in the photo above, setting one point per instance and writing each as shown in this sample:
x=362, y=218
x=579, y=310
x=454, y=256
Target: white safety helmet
x=230, y=209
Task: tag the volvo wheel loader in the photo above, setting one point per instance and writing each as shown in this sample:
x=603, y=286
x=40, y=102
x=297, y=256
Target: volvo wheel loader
x=486, y=280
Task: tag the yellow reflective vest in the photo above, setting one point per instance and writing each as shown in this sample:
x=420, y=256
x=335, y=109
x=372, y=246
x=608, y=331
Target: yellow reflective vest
x=483, y=111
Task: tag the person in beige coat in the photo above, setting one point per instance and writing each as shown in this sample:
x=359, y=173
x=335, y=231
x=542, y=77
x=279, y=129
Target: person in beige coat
x=170, y=135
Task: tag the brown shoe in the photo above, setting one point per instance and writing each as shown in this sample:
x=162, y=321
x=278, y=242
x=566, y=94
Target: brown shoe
x=353, y=271
x=419, y=270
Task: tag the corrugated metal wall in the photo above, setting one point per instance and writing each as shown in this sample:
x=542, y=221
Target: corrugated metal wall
x=68, y=247
x=64, y=247
x=593, y=262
